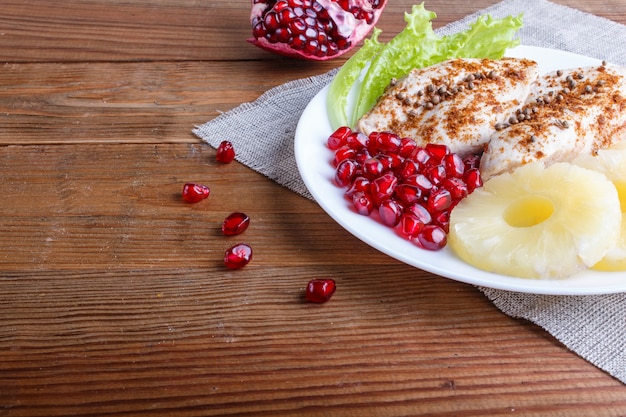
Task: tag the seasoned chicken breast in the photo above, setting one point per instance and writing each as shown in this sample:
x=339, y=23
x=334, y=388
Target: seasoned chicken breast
x=456, y=103
x=568, y=113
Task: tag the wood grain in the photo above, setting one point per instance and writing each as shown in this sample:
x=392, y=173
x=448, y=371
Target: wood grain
x=113, y=296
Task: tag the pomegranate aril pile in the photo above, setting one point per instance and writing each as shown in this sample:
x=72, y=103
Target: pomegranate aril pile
x=312, y=29
x=407, y=187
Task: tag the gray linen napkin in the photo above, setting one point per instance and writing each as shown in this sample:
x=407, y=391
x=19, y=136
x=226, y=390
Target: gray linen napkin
x=262, y=132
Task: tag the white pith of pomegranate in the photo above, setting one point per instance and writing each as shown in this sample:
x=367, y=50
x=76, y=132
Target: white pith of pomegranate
x=312, y=29
x=409, y=188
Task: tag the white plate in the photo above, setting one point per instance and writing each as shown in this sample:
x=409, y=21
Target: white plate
x=313, y=158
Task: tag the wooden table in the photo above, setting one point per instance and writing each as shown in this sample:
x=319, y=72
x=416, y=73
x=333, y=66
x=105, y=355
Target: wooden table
x=113, y=295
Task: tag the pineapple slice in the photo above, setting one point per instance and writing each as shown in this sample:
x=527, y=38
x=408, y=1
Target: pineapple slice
x=537, y=222
x=612, y=163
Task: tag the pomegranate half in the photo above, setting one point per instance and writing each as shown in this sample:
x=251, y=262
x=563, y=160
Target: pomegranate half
x=312, y=29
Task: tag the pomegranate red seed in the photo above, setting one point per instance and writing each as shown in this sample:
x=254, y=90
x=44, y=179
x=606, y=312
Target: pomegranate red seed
x=473, y=180
x=410, y=225
x=358, y=184
x=457, y=188
x=394, y=161
x=390, y=212
x=442, y=220
x=390, y=162
x=225, y=152
x=439, y=200
x=356, y=140
x=320, y=290
x=420, y=181
x=338, y=138
x=193, y=192
x=373, y=168
x=437, y=151
x=407, y=169
x=431, y=237
x=363, y=203
x=343, y=153
x=407, y=147
x=471, y=161
x=384, y=142
x=436, y=174
x=408, y=194
x=361, y=156
x=421, y=156
x=238, y=256
x=235, y=224
x=383, y=187
x=346, y=170
x=454, y=165
x=419, y=211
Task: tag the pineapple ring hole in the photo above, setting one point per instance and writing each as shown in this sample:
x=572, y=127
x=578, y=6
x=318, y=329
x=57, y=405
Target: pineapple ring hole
x=528, y=211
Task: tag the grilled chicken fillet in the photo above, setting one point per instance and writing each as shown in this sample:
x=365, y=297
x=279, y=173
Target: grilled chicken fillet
x=568, y=113
x=456, y=103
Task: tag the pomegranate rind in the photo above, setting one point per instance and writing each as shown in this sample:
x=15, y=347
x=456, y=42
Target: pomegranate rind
x=354, y=29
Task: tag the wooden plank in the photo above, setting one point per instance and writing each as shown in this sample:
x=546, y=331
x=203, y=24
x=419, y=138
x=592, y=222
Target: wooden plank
x=151, y=102
x=114, y=299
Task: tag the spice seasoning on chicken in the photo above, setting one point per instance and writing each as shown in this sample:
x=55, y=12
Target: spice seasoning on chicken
x=575, y=111
x=455, y=103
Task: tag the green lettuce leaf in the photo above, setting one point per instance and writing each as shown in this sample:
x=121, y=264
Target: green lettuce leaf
x=486, y=38
x=341, y=85
x=417, y=46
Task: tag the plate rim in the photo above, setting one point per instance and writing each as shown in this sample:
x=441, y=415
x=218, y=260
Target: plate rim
x=304, y=148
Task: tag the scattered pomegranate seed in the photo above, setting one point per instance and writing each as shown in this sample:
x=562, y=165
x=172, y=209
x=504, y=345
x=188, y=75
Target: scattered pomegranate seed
x=412, y=188
x=225, y=152
x=238, y=256
x=192, y=192
x=236, y=223
x=320, y=290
